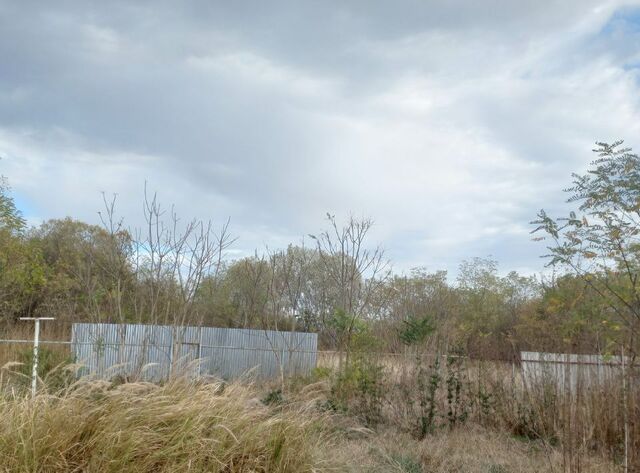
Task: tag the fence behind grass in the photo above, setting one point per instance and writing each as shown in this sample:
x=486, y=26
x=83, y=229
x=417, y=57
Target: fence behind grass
x=154, y=351
x=570, y=371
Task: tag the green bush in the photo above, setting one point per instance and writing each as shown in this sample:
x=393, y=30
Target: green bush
x=273, y=397
x=358, y=389
x=52, y=367
x=457, y=406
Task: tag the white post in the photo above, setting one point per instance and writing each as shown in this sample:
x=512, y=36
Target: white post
x=36, y=343
x=200, y=355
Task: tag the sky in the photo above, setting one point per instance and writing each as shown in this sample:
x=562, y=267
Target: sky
x=450, y=123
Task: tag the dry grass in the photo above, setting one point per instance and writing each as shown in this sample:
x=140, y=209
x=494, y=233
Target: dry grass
x=574, y=425
x=96, y=426
x=469, y=449
x=15, y=351
x=181, y=426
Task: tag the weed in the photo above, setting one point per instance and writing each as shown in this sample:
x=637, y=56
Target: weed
x=406, y=463
x=273, y=397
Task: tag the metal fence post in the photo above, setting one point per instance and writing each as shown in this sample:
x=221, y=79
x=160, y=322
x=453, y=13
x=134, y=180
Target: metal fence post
x=200, y=355
x=36, y=343
x=171, y=346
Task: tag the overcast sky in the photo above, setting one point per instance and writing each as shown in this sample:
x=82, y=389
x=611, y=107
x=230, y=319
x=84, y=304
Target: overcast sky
x=450, y=123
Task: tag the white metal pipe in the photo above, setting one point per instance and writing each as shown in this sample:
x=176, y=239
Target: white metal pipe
x=36, y=343
x=34, y=371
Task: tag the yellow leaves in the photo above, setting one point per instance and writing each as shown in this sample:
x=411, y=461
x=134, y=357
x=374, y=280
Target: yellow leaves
x=554, y=305
x=616, y=327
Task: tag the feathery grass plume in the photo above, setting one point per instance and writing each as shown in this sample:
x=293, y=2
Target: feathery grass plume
x=95, y=426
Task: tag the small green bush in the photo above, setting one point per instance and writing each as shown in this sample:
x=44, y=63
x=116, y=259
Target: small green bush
x=51, y=367
x=273, y=397
x=358, y=389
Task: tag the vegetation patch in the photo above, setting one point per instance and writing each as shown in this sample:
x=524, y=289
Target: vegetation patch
x=180, y=426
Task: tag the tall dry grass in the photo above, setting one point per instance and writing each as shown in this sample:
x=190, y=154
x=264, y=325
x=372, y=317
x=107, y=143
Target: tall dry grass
x=186, y=426
x=467, y=449
x=428, y=397
x=21, y=348
x=96, y=426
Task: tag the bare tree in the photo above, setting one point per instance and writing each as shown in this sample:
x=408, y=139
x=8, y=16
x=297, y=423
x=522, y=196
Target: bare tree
x=287, y=280
x=357, y=272
x=169, y=261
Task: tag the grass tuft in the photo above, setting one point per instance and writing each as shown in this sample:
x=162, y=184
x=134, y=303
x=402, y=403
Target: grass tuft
x=96, y=426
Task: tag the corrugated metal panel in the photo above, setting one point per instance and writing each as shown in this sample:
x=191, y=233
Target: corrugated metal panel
x=569, y=371
x=153, y=352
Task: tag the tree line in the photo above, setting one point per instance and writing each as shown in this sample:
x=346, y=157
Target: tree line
x=338, y=282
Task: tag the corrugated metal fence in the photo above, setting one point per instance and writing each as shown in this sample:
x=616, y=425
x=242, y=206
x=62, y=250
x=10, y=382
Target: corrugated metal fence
x=570, y=371
x=154, y=351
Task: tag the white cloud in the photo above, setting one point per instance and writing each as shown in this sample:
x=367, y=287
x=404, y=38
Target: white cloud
x=257, y=71
x=450, y=123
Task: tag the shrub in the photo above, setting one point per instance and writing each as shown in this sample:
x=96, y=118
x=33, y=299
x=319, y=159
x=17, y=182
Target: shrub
x=457, y=409
x=358, y=389
x=52, y=366
x=273, y=397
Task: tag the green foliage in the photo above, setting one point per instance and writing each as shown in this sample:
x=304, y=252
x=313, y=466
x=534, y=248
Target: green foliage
x=52, y=367
x=70, y=269
x=23, y=276
x=358, y=388
x=346, y=325
x=415, y=398
x=571, y=317
x=11, y=219
x=340, y=321
x=609, y=199
x=428, y=382
x=415, y=330
x=600, y=242
x=457, y=409
x=489, y=306
x=485, y=402
x=273, y=397
x=321, y=372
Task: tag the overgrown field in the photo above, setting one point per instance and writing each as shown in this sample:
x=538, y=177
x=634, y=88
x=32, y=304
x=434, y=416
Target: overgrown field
x=98, y=426
x=432, y=419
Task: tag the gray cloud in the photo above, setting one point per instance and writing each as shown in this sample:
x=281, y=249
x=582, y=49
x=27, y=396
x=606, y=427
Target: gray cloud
x=450, y=123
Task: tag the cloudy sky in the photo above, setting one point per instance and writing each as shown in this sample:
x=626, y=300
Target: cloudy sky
x=449, y=122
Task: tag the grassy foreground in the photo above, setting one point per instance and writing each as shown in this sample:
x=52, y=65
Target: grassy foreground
x=185, y=426
x=181, y=426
